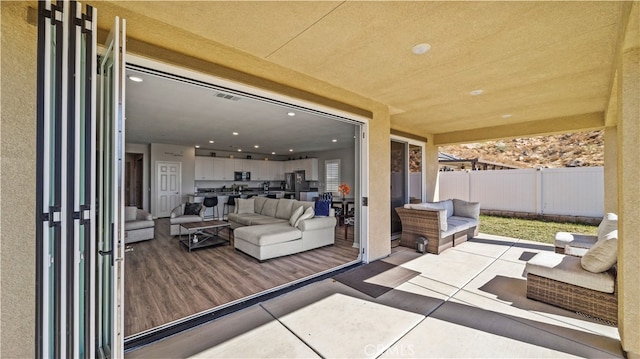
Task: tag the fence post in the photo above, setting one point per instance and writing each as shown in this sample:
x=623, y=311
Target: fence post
x=539, y=188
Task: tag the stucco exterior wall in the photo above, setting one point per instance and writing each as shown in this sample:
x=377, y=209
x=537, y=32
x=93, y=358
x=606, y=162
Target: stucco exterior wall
x=629, y=190
x=17, y=181
x=611, y=169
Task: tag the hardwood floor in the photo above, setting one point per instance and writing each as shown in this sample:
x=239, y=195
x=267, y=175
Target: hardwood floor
x=164, y=282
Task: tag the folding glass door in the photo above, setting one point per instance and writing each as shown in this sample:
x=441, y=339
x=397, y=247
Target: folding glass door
x=70, y=323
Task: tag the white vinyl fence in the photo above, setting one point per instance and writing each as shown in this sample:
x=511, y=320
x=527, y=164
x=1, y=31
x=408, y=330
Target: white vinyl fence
x=575, y=191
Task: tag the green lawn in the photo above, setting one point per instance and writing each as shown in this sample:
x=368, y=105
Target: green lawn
x=533, y=230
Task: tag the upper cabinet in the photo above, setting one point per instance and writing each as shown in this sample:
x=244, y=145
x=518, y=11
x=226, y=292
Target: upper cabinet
x=308, y=165
x=222, y=169
x=204, y=168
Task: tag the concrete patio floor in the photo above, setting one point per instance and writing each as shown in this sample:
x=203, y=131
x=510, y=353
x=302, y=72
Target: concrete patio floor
x=466, y=302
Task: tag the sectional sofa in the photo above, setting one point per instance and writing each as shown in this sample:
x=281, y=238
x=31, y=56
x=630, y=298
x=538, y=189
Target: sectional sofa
x=266, y=228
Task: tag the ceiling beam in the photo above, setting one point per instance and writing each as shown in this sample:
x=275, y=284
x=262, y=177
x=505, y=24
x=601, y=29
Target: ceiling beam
x=584, y=122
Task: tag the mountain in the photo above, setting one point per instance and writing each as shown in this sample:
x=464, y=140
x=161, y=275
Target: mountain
x=582, y=149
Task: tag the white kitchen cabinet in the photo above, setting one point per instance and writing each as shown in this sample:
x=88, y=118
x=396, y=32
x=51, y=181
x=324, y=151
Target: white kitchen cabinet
x=204, y=168
x=310, y=166
x=258, y=169
x=276, y=170
x=223, y=169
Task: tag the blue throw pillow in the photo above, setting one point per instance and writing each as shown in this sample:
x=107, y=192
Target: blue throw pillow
x=322, y=208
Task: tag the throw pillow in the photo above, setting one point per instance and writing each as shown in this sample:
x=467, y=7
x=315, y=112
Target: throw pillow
x=295, y=215
x=308, y=214
x=609, y=223
x=602, y=255
x=466, y=209
x=192, y=209
x=322, y=208
x=245, y=206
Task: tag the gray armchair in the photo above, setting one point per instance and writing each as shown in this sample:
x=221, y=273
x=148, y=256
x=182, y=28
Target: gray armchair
x=138, y=225
x=178, y=217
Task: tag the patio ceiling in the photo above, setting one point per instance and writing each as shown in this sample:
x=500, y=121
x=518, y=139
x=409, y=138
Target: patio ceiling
x=543, y=66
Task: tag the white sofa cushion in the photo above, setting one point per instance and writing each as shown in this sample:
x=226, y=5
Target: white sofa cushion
x=308, y=214
x=130, y=213
x=268, y=234
x=285, y=206
x=603, y=255
x=138, y=224
x=269, y=208
x=245, y=206
x=295, y=215
x=567, y=269
x=258, y=204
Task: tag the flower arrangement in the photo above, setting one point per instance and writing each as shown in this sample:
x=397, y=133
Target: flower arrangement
x=344, y=189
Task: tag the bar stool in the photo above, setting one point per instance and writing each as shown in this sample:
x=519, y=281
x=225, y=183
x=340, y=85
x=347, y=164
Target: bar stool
x=226, y=207
x=212, y=202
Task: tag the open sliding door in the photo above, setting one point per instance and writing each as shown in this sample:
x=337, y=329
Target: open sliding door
x=72, y=247
x=110, y=276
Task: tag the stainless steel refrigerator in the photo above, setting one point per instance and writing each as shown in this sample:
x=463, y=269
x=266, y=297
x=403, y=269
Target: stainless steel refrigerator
x=295, y=182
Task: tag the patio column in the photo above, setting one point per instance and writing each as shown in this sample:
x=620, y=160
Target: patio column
x=611, y=169
x=431, y=171
x=629, y=190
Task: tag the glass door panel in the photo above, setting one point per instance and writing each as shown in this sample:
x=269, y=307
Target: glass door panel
x=398, y=184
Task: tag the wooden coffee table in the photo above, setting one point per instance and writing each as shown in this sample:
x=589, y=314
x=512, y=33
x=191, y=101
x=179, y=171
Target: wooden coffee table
x=199, y=237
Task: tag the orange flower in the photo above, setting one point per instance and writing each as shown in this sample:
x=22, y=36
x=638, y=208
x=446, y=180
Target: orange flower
x=344, y=189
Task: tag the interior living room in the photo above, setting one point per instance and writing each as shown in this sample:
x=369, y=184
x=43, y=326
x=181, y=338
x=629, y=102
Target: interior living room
x=225, y=146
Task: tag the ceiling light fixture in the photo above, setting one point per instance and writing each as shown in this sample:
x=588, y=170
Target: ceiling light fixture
x=235, y=133
x=506, y=115
x=421, y=49
x=334, y=140
x=211, y=141
x=239, y=149
x=273, y=153
x=197, y=146
x=256, y=146
x=291, y=150
x=135, y=79
x=291, y=114
x=476, y=92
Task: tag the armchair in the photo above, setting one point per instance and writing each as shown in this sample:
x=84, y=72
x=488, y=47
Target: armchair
x=138, y=225
x=178, y=217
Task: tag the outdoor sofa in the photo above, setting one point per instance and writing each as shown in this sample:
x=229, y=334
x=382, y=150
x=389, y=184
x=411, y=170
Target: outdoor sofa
x=583, y=279
x=443, y=224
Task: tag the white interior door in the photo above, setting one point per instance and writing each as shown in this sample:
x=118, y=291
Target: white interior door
x=169, y=187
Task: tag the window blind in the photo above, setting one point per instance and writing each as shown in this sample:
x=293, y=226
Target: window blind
x=332, y=175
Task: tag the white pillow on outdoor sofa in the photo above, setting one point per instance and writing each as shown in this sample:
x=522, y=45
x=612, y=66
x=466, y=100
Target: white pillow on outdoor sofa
x=609, y=223
x=602, y=255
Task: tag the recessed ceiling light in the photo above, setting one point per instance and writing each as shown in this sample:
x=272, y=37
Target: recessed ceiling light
x=421, y=49
x=334, y=140
x=291, y=113
x=273, y=153
x=476, y=92
x=506, y=115
x=197, y=146
x=239, y=149
x=135, y=79
x=235, y=133
x=256, y=146
x=291, y=150
x=211, y=141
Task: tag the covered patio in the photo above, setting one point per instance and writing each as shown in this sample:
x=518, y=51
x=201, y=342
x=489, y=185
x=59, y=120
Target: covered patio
x=466, y=302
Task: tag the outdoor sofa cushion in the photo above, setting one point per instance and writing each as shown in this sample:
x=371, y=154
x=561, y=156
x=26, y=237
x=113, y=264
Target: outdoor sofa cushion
x=603, y=255
x=568, y=269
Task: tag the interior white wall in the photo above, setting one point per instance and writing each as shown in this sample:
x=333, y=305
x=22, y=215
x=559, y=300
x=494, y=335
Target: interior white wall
x=173, y=153
x=144, y=150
